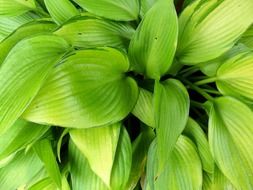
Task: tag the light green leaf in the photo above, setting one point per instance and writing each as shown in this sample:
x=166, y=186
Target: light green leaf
x=16, y=7
x=112, y=9
x=88, y=32
x=98, y=145
x=152, y=48
x=171, y=101
x=143, y=109
x=22, y=32
x=44, y=150
x=82, y=176
x=22, y=171
x=21, y=134
x=88, y=89
x=145, y=6
x=235, y=77
x=230, y=137
x=44, y=184
x=183, y=169
x=61, y=10
x=122, y=162
x=140, y=149
x=197, y=135
x=36, y=57
x=207, y=29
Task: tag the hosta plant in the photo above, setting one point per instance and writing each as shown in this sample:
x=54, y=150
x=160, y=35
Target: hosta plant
x=126, y=94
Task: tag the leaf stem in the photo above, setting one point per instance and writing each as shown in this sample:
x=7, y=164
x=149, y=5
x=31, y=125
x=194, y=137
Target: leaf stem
x=205, y=81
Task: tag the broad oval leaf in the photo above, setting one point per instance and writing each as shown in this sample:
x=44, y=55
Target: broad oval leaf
x=112, y=9
x=88, y=32
x=88, y=89
x=171, y=108
x=230, y=137
x=36, y=56
x=207, y=29
x=235, y=77
x=152, y=48
x=61, y=10
x=16, y=7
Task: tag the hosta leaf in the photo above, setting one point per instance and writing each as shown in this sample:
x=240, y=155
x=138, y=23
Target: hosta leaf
x=21, y=134
x=11, y=23
x=181, y=165
x=140, y=149
x=16, y=7
x=122, y=162
x=247, y=38
x=82, y=176
x=36, y=56
x=98, y=145
x=152, y=48
x=22, y=32
x=61, y=10
x=44, y=184
x=235, y=77
x=23, y=171
x=87, y=32
x=44, y=150
x=197, y=135
x=112, y=9
x=143, y=109
x=171, y=106
x=230, y=138
x=87, y=89
x=146, y=5
x=207, y=29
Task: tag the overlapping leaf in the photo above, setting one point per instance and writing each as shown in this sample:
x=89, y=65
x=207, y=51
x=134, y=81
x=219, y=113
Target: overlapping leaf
x=87, y=89
x=207, y=29
x=36, y=59
x=16, y=7
x=230, y=138
x=171, y=113
x=152, y=48
x=88, y=32
x=112, y=9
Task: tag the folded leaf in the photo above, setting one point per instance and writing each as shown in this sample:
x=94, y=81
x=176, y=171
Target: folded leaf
x=152, y=48
x=197, y=135
x=36, y=56
x=88, y=32
x=230, y=138
x=235, y=77
x=207, y=29
x=88, y=89
x=171, y=106
x=61, y=10
x=21, y=134
x=143, y=109
x=16, y=7
x=112, y=9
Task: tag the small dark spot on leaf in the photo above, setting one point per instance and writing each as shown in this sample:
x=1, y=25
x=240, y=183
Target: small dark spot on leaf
x=155, y=38
x=79, y=33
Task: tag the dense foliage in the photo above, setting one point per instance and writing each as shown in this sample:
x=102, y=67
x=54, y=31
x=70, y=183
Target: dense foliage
x=126, y=94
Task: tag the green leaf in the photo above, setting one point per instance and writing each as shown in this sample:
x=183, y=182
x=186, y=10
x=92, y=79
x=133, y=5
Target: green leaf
x=21, y=134
x=82, y=176
x=247, y=38
x=152, y=48
x=88, y=32
x=98, y=145
x=171, y=105
x=16, y=7
x=143, y=109
x=235, y=77
x=44, y=150
x=230, y=137
x=61, y=10
x=112, y=9
x=88, y=89
x=36, y=56
x=183, y=169
x=197, y=135
x=145, y=6
x=207, y=29
x=44, y=184
x=23, y=171
x=22, y=32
